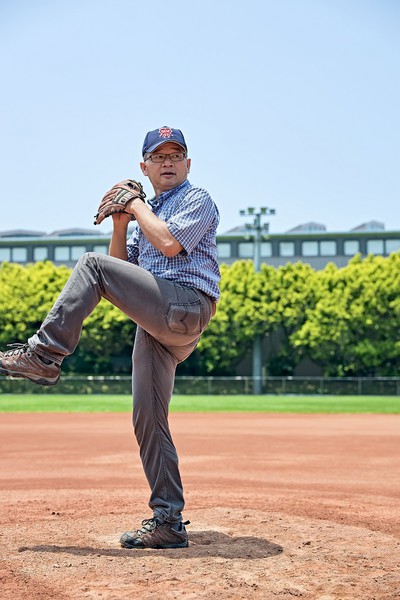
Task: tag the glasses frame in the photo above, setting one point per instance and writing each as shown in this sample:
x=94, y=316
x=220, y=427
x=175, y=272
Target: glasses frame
x=164, y=155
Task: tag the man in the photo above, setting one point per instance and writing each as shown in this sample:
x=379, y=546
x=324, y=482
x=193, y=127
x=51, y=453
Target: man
x=165, y=278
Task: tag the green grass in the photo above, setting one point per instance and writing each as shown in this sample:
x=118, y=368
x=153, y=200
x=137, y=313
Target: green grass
x=28, y=403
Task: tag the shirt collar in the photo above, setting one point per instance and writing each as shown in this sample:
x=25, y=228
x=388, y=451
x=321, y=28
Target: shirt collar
x=166, y=195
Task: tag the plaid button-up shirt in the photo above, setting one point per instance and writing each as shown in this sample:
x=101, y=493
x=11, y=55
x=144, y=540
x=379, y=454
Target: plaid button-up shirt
x=192, y=218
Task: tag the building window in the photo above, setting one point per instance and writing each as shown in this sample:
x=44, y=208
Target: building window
x=309, y=248
x=20, y=254
x=40, y=253
x=77, y=251
x=328, y=248
x=246, y=250
x=392, y=246
x=286, y=248
x=61, y=253
x=5, y=254
x=224, y=250
x=375, y=247
x=351, y=247
x=266, y=249
x=104, y=249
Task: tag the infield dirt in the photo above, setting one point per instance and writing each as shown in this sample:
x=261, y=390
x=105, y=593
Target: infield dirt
x=281, y=506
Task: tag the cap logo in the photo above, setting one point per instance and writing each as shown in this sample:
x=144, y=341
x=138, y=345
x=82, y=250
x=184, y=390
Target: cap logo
x=165, y=132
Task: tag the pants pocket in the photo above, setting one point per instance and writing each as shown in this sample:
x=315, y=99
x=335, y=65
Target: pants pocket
x=184, y=318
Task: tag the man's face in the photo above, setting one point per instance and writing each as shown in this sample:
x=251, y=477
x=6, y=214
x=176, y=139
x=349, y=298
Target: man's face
x=167, y=174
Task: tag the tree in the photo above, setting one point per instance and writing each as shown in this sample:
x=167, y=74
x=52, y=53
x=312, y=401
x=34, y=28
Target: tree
x=228, y=337
x=353, y=329
x=289, y=292
x=27, y=294
x=347, y=320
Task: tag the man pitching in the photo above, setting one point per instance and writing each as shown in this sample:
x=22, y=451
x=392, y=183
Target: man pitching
x=165, y=278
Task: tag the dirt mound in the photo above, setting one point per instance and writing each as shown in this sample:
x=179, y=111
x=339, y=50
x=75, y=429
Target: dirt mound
x=281, y=506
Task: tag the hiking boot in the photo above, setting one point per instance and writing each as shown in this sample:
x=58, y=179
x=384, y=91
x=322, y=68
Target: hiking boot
x=22, y=361
x=156, y=534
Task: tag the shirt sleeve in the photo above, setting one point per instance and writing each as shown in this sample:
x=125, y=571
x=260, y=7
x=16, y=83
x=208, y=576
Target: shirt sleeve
x=132, y=247
x=194, y=215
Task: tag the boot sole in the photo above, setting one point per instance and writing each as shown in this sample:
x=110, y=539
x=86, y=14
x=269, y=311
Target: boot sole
x=39, y=381
x=155, y=547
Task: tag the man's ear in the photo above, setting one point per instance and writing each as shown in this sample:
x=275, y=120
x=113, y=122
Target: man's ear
x=143, y=166
x=188, y=164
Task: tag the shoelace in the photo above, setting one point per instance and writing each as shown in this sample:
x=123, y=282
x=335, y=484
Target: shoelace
x=148, y=525
x=18, y=349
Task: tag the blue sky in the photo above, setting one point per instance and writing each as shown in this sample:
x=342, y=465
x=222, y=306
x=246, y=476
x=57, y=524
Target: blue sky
x=293, y=105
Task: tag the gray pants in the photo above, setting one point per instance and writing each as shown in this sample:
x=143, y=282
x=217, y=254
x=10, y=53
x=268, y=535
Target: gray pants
x=170, y=319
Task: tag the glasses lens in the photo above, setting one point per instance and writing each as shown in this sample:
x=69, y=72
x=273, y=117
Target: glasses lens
x=157, y=158
x=174, y=157
x=177, y=156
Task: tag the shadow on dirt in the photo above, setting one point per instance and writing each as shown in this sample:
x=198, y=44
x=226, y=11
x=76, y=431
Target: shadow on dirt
x=201, y=543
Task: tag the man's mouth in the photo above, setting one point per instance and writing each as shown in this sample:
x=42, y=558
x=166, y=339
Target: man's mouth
x=168, y=173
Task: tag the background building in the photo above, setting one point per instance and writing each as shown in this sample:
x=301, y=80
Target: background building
x=309, y=242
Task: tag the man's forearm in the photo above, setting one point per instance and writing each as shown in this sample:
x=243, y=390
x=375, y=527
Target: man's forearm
x=155, y=230
x=118, y=242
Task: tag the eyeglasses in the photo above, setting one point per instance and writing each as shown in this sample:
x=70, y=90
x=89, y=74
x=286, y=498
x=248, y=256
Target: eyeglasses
x=160, y=158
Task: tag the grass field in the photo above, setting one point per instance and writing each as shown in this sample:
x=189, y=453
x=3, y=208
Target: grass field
x=208, y=404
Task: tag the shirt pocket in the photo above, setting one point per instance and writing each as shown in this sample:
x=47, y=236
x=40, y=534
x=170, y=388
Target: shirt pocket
x=184, y=317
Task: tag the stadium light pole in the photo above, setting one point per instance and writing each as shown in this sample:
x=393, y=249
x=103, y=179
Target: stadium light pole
x=256, y=229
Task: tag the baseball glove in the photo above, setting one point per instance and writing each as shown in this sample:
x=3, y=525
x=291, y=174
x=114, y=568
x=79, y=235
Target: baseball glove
x=117, y=198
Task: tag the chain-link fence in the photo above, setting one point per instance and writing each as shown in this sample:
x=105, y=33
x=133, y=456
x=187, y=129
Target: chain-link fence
x=352, y=386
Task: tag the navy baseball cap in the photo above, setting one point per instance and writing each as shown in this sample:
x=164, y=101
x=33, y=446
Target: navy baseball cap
x=165, y=134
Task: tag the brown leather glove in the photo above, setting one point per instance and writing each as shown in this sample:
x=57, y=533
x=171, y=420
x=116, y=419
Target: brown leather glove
x=116, y=199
